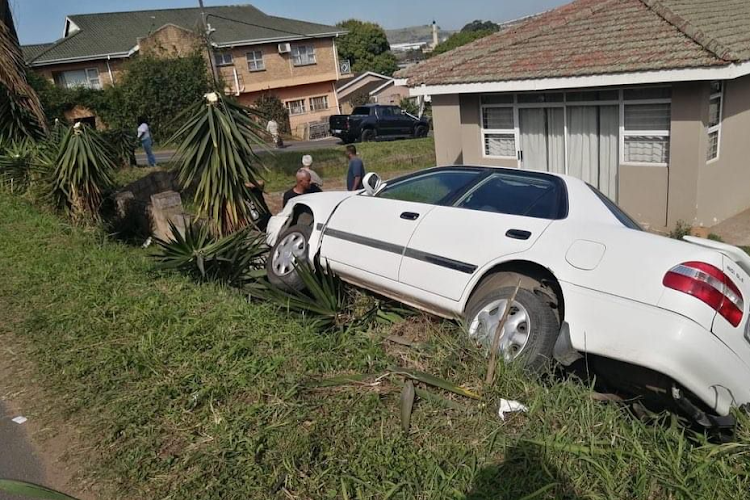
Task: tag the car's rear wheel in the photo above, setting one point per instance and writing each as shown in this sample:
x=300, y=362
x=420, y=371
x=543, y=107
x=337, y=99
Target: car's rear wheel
x=530, y=331
x=290, y=247
x=368, y=135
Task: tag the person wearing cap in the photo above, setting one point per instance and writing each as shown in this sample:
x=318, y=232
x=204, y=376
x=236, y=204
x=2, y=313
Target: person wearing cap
x=315, y=179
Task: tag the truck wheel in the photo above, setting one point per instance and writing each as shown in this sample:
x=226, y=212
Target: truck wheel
x=530, y=332
x=420, y=132
x=291, y=246
x=368, y=135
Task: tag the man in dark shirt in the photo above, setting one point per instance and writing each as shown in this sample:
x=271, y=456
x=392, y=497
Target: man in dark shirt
x=356, y=169
x=304, y=185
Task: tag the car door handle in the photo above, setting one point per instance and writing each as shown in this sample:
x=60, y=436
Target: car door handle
x=410, y=216
x=518, y=234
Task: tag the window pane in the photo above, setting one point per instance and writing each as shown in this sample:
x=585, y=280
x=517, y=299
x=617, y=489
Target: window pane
x=319, y=103
x=497, y=118
x=429, y=188
x=296, y=107
x=647, y=117
x=72, y=79
x=518, y=194
x=255, y=61
x=497, y=99
x=647, y=93
x=714, y=111
x=500, y=145
x=361, y=110
x=713, y=146
x=540, y=97
x=303, y=54
x=647, y=149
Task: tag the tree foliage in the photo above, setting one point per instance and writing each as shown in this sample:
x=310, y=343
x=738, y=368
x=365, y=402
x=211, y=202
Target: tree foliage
x=157, y=88
x=479, y=25
x=458, y=39
x=366, y=47
x=270, y=107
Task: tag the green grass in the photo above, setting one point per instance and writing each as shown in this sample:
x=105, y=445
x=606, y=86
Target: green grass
x=329, y=163
x=186, y=391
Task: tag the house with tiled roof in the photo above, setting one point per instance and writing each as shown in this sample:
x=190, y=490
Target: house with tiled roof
x=646, y=100
x=253, y=52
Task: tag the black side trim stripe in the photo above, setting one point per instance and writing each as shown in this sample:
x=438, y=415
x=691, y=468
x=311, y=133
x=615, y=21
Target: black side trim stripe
x=456, y=265
x=437, y=260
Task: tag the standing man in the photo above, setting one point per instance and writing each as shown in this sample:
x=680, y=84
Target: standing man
x=144, y=135
x=273, y=129
x=356, y=169
x=307, y=162
x=304, y=185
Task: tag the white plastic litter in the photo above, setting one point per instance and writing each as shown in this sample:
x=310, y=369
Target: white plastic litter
x=147, y=243
x=20, y=420
x=509, y=406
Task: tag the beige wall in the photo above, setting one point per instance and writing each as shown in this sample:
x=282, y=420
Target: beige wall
x=471, y=135
x=170, y=41
x=724, y=184
x=446, y=119
x=391, y=95
x=299, y=122
x=280, y=72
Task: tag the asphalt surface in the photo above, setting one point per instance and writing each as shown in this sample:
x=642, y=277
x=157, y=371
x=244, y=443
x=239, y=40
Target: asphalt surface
x=17, y=457
x=165, y=156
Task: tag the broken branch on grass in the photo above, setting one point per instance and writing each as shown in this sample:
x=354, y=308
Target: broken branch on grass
x=498, y=334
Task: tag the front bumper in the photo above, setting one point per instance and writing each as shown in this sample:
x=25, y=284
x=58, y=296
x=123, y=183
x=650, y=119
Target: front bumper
x=660, y=340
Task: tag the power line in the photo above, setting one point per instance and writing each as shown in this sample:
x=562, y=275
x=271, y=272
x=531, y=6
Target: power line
x=257, y=25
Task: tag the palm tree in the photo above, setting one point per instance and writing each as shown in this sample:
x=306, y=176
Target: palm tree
x=20, y=107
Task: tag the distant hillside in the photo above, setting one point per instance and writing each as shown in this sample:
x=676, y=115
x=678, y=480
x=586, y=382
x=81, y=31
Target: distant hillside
x=415, y=34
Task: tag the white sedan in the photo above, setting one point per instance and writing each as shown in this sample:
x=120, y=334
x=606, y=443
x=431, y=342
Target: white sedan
x=662, y=318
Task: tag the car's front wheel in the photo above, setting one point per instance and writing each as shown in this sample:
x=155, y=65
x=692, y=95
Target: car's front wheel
x=291, y=247
x=530, y=331
x=368, y=135
x=420, y=132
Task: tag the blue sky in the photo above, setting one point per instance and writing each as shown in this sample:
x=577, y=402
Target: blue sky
x=42, y=20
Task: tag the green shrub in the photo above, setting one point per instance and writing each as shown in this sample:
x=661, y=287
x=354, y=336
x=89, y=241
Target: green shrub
x=270, y=107
x=680, y=230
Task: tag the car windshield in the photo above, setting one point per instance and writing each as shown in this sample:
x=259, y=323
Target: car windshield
x=430, y=188
x=361, y=110
x=528, y=195
x=618, y=212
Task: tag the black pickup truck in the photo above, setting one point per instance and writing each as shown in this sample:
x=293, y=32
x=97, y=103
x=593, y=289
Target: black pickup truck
x=373, y=121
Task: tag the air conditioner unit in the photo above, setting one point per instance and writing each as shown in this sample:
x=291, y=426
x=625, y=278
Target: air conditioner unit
x=285, y=48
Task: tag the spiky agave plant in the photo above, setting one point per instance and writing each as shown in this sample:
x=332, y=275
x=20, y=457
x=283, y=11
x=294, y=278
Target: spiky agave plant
x=82, y=172
x=215, y=153
x=22, y=163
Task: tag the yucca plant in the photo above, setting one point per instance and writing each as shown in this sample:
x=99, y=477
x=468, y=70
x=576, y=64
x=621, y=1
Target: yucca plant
x=237, y=260
x=82, y=171
x=215, y=154
x=122, y=144
x=22, y=163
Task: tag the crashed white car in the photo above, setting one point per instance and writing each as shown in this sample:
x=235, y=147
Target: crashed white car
x=662, y=318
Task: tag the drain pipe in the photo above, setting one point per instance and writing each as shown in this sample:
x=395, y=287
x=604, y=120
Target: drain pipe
x=109, y=69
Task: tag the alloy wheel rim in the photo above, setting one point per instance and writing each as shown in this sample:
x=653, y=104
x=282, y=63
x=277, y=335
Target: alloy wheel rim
x=288, y=251
x=515, y=333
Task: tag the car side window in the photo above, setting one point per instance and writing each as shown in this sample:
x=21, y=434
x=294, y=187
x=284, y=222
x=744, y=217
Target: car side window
x=429, y=188
x=518, y=194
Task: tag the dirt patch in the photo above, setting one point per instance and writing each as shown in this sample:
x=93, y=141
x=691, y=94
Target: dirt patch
x=56, y=443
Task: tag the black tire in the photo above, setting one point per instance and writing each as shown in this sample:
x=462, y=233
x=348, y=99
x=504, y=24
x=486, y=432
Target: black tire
x=290, y=280
x=543, y=325
x=420, y=132
x=368, y=135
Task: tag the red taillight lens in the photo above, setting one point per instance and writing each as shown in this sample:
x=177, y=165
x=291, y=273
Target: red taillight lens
x=709, y=284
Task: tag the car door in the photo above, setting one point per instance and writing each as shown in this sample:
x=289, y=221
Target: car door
x=368, y=234
x=504, y=214
x=405, y=122
x=388, y=122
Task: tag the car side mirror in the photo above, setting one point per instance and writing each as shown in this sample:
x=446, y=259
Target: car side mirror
x=372, y=183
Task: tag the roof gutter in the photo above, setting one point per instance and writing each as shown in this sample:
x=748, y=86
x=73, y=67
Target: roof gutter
x=287, y=38
x=728, y=72
x=117, y=55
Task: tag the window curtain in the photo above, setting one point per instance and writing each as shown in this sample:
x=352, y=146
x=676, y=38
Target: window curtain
x=609, y=124
x=533, y=138
x=556, y=140
x=592, y=146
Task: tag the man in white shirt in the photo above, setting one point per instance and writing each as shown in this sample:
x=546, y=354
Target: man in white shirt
x=307, y=162
x=144, y=135
x=273, y=129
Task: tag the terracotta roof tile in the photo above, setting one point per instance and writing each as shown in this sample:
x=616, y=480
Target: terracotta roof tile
x=586, y=37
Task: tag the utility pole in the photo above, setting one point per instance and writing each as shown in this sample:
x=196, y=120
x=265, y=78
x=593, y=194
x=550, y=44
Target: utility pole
x=207, y=34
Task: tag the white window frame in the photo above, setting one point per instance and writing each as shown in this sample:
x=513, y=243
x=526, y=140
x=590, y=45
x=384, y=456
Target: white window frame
x=223, y=55
x=313, y=109
x=495, y=131
x=288, y=105
x=716, y=128
x=260, y=63
x=565, y=103
x=309, y=53
x=92, y=82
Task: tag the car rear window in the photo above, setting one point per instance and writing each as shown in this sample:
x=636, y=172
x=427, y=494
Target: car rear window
x=524, y=194
x=618, y=212
x=431, y=188
x=361, y=110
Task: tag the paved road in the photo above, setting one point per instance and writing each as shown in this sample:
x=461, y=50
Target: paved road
x=17, y=458
x=164, y=156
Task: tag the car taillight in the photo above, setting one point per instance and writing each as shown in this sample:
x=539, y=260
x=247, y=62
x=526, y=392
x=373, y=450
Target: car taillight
x=710, y=285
